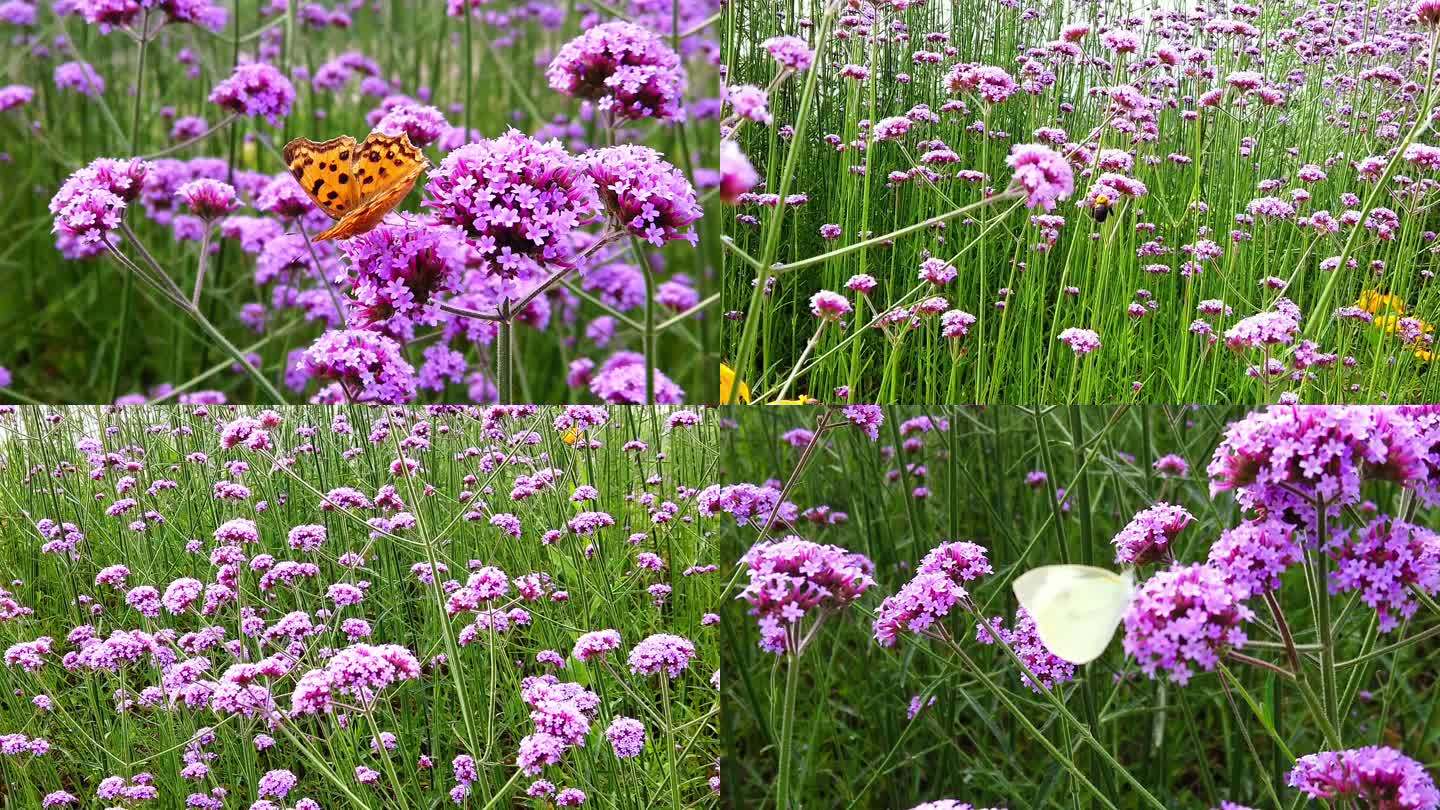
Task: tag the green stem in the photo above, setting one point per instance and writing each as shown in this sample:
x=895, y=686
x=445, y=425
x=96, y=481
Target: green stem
x=503, y=361
x=787, y=728
x=670, y=742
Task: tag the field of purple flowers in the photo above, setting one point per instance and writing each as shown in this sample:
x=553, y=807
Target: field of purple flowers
x=362, y=607
x=160, y=241
x=1277, y=651
x=1101, y=201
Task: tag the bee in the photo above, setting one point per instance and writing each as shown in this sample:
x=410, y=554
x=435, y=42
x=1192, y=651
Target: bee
x=1100, y=209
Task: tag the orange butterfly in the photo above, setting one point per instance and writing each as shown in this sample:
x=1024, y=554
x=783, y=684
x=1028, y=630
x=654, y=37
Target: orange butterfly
x=356, y=184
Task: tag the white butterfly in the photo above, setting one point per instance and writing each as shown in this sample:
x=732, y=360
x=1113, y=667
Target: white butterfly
x=1076, y=607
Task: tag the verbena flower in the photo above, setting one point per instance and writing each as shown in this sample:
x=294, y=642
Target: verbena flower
x=255, y=90
x=644, y=194
x=793, y=577
x=1379, y=776
x=422, y=123
x=621, y=381
x=91, y=202
x=1254, y=554
x=868, y=418
x=360, y=671
x=81, y=78
x=368, y=365
x=396, y=271
x=1286, y=459
x=1384, y=560
x=1081, y=341
x=1023, y=638
x=662, y=653
x=938, y=586
x=1042, y=173
x=1148, y=535
x=208, y=199
x=518, y=200
x=829, y=306
x=628, y=70
x=789, y=52
x=626, y=736
x=1185, y=618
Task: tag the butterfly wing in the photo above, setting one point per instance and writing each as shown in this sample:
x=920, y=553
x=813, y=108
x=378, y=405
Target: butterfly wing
x=326, y=172
x=386, y=168
x=1076, y=607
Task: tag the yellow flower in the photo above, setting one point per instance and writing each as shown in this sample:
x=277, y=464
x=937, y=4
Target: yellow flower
x=1423, y=354
x=1372, y=301
x=727, y=384
x=801, y=400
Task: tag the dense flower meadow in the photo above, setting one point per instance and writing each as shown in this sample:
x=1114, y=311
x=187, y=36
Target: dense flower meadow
x=358, y=606
x=1081, y=202
x=552, y=250
x=1278, y=646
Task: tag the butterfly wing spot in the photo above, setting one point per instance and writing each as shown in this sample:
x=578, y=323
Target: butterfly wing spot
x=317, y=168
x=379, y=187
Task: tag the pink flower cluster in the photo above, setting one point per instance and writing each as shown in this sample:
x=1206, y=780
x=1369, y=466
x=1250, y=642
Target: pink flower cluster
x=360, y=671
x=1148, y=535
x=938, y=586
x=1051, y=669
x=1185, y=617
x=792, y=577
x=1254, y=554
x=628, y=69
x=1383, y=561
x=1377, y=776
x=1289, y=459
x=519, y=200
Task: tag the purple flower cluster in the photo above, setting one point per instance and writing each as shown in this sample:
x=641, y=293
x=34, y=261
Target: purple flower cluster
x=1185, y=617
x=792, y=577
x=626, y=68
x=1380, y=777
x=626, y=736
x=518, y=200
x=422, y=123
x=367, y=365
x=255, y=90
x=1254, y=554
x=737, y=174
x=595, y=645
x=1264, y=329
x=15, y=95
x=208, y=199
x=1384, y=560
x=360, y=671
x=868, y=418
x=1081, y=341
x=829, y=306
x=662, y=653
x=620, y=380
x=396, y=270
x=1286, y=460
x=1042, y=174
x=1148, y=535
x=91, y=202
x=792, y=53
x=644, y=194
x=80, y=77
x=938, y=586
x=1023, y=638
